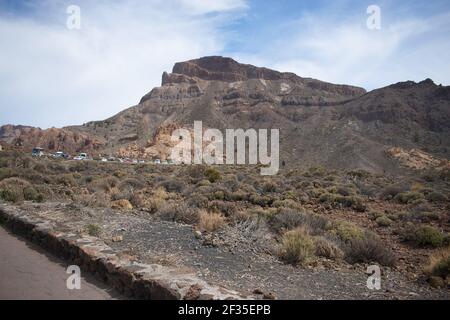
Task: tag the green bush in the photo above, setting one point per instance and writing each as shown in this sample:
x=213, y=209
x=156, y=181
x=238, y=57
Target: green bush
x=424, y=236
x=428, y=235
x=346, y=231
x=409, y=197
x=93, y=230
x=436, y=197
x=9, y=195
x=383, y=221
x=212, y=175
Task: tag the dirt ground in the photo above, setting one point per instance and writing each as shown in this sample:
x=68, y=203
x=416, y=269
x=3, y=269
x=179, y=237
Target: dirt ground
x=238, y=258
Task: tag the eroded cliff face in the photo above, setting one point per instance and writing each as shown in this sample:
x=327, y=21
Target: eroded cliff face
x=338, y=126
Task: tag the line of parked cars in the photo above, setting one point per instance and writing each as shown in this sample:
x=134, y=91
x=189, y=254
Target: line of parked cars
x=39, y=152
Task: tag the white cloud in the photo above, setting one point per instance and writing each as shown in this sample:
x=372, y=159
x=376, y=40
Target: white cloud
x=338, y=50
x=50, y=75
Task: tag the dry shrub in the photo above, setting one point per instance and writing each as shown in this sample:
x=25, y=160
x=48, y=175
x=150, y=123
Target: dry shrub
x=229, y=209
x=286, y=219
x=130, y=184
x=67, y=180
x=368, y=248
x=173, y=185
x=97, y=199
x=103, y=184
x=179, y=212
x=210, y=221
x=328, y=249
x=11, y=189
x=157, y=199
x=297, y=247
x=121, y=204
x=439, y=265
x=197, y=200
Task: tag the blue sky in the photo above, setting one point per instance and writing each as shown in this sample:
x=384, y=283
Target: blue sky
x=53, y=76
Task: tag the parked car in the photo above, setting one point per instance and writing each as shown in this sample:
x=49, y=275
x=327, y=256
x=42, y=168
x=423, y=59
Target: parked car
x=37, y=152
x=81, y=156
x=157, y=161
x=60, y=154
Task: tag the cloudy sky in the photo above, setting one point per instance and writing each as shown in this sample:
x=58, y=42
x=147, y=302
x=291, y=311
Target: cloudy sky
x=51, y=75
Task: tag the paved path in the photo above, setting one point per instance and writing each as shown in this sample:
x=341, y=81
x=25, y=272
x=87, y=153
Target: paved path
x=27, y=272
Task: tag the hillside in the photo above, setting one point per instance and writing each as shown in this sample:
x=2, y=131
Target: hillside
x=338, y=126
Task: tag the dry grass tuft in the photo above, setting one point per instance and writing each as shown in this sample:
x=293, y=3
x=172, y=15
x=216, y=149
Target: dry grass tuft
x=210, y=221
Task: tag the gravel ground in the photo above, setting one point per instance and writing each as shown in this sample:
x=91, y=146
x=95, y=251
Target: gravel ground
x=237, y=257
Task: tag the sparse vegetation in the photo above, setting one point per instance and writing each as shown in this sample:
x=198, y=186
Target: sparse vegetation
x=439, y=265
x=315, y=214
x=424, y=236
x=210, y=221
x=93, y=230
x=297, y=247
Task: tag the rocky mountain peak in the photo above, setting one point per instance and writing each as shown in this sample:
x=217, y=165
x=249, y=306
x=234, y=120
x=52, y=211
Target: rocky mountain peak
x=225, y=69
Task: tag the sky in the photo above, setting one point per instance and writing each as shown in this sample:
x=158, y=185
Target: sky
x=52, y=74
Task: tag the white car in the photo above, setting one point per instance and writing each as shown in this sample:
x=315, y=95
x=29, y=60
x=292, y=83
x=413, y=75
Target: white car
x=81, y=156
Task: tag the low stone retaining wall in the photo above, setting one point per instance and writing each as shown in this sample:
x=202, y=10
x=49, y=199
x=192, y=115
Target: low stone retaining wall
x=133, y=279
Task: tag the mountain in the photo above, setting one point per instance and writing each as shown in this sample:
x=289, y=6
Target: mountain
x=338, y=126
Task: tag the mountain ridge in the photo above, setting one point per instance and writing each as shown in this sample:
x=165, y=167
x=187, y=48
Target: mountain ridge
x=339, y=126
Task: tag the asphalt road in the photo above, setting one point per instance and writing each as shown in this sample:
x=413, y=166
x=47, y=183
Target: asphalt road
x=28, y=272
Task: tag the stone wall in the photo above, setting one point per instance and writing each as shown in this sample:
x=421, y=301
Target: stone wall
x=132, y=279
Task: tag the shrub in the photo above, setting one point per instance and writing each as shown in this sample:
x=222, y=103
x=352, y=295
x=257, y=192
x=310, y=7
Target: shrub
x=391, y=191
x=210, y=221
x=157, y=199
x=344, y=191
x=262, y=201
x=12, y=189
x=173, y=185
x=374, y=215
x=9, y=195
x=93, y=230
x=428, y=235
x=297, y=247
x=122, y=204
x=368, y=248
x=212, y=175
x=103, y=184
x=327, y=249
x=178, y=212
x=30, y=193
x=436, y=197
x=383, y=221
x=439, y=264
x=6, y=173
x=97, y=199
x=229, y=209
x=67, y=180
x=347, y=231
x=409, y=197
x=286, y=219
x=424, y=236
x=131, y=184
